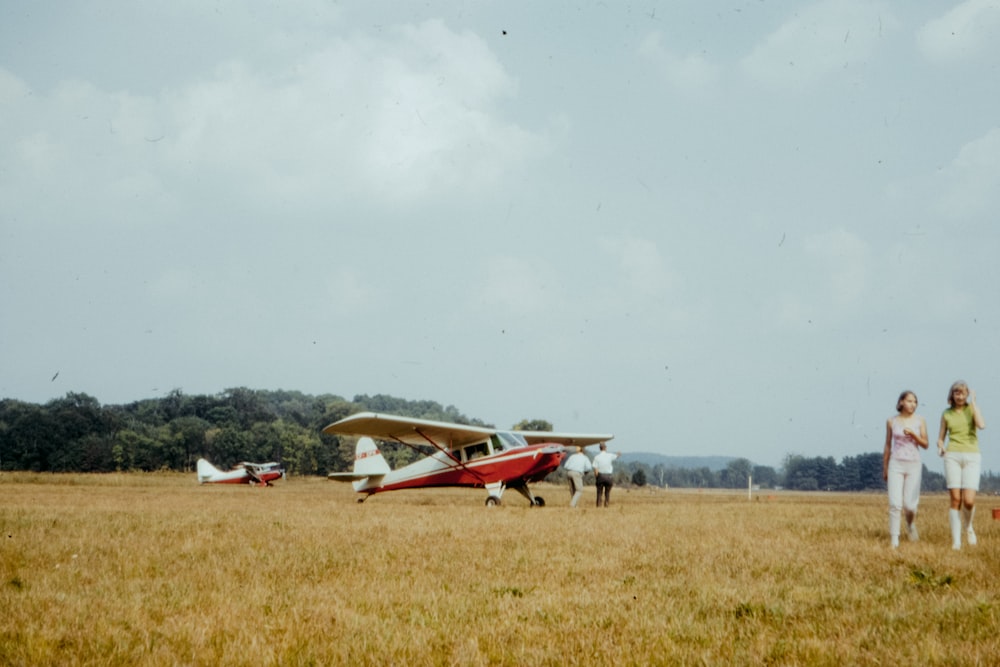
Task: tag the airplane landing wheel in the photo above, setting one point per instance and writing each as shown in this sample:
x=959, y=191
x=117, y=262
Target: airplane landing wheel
x=539, y=501
x=492, y=501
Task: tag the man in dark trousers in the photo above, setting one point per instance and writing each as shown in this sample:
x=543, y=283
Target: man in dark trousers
x=604, y=469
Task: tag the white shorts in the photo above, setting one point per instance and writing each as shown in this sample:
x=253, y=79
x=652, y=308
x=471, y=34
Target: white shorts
x=961, y=470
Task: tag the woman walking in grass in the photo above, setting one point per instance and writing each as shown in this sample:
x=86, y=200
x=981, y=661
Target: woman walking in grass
x=961, y=459
x=901, y=466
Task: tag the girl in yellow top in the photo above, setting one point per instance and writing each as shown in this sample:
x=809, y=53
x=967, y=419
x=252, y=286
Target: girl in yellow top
x=961, y=459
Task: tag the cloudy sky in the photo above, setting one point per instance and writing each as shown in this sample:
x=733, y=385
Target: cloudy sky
x=717, y=229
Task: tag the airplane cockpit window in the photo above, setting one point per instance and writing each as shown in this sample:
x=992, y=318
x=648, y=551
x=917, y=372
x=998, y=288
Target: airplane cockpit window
x=476, y=451
x=510, y=440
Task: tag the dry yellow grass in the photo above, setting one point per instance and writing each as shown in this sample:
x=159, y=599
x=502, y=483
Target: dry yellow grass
x=155, y=570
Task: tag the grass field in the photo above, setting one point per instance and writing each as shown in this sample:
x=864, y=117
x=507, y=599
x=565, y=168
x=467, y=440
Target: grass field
x=156, y=570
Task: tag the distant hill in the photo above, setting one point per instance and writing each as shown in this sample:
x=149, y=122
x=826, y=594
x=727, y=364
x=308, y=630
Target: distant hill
x=713, y=463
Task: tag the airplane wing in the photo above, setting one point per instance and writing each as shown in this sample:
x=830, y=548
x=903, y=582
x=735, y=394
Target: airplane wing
x=351, y=476
x=409, y=431
x=570, y=439
x=251, y=470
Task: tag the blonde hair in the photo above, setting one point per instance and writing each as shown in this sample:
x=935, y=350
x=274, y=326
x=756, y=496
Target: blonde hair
x=957, y=384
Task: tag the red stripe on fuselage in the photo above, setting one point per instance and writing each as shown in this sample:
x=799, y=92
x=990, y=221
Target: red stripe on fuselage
x=526, y=464
x=234, y=480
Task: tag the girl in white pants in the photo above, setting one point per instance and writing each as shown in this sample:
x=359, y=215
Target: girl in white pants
x=901, y=466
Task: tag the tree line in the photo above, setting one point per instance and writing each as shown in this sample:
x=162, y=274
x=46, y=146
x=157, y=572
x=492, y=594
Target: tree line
x=800, y=473
x=76, y=433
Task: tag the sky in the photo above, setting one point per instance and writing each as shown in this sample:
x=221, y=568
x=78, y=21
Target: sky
x=731, y=229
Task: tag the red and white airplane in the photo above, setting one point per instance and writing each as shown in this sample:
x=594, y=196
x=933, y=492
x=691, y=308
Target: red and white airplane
x=245, y=473
x=472, y=456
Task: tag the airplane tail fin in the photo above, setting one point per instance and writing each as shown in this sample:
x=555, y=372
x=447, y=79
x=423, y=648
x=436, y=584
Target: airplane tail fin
x=369, y=466
x=206, y=470
x=368, y=460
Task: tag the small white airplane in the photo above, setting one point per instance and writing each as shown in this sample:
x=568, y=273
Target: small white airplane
x=473, y=456
x=244, y=473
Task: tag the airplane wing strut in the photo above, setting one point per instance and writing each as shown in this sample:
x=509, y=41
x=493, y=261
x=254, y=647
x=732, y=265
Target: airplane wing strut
x=447, y=452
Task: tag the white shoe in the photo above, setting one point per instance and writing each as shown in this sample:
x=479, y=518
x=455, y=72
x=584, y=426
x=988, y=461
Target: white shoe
x=911, y=530
x=970, y=537
x=894, y=542
x=956, y=547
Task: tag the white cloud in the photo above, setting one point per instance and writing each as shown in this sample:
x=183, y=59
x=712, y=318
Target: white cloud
x=518, y=285
x=642, y=268
x=411, y=113
x=972, y=180
x=33, y=150
x=37, y=152
x=966, y=32
x=840, y=259
x=816, y=40
x=688, y=72
x=175, y=284
x=407, y=116
x=12, y=88
x=349, y=292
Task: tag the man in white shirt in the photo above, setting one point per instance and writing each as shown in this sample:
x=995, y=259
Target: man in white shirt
x=604, y=469
x=576, y=466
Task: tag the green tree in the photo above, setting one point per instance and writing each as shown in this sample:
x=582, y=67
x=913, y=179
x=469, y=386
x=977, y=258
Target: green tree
x=532, y=425
x=26, y=434
x=189, y=433
x=934, y=481
x=736, y=474
x=249, y=406
x=229, y=446
x=765, y=476
x=827, y=473
x=136, y=449
x=300, y=449
x=801, y=473
x=77, y=430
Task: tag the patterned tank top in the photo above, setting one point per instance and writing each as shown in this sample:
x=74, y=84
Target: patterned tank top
x=904, y=447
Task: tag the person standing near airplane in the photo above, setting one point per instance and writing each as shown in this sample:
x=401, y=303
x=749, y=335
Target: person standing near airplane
x=901, y=466
x=604, y=469
x=962, y=459
x=576, y=466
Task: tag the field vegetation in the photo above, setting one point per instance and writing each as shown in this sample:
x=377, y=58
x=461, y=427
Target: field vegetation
x=152, y=569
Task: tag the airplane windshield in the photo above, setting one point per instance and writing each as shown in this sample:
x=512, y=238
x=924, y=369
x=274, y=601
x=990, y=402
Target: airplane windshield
x=510, y=440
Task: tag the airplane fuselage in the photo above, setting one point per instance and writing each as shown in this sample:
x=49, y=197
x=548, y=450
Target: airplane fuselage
x=245, y=473
x=512, y=467
x=243, y=477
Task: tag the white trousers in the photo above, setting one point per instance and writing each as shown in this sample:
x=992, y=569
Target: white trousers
x=962, y=470
x=904, y=490
x=575, y=486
